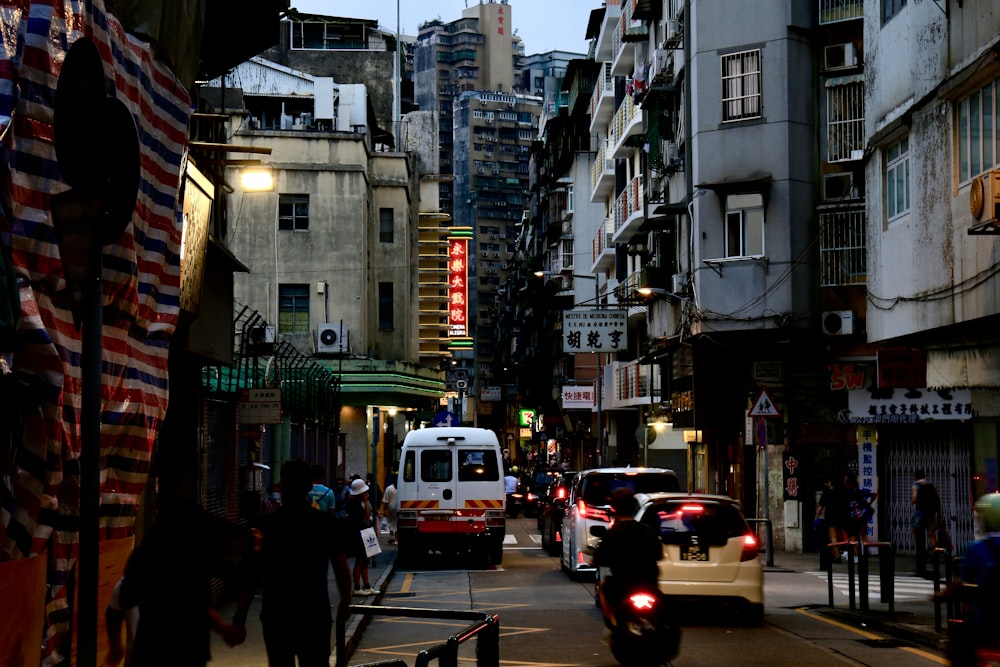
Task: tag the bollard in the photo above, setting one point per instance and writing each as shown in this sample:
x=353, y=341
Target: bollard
x=887, y=575
x=851, y=550
x=863, y=576
x=829, y=579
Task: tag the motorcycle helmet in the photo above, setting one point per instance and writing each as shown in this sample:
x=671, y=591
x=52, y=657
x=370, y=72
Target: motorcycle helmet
x=988, y=509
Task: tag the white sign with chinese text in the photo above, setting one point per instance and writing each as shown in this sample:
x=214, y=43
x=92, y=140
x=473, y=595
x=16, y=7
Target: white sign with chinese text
x=594, y=331
x=260, y=406
x=907, y=406
x=579, y=397
x=867, y=478
x=489, y=393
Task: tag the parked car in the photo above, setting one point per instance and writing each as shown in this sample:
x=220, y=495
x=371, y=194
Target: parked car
x=551, y=509
x=534, y=486
x=589, y=503
x=710, y=553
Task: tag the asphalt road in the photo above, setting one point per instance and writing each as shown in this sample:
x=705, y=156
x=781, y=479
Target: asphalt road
x=547, y=620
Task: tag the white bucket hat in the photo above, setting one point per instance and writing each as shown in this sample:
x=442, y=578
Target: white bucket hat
x=358, y=487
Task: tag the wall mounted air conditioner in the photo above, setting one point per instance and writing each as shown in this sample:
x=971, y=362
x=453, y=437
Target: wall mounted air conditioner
x=673, y=28
x=263, y=334
x=332, y=337
x=837, y=322
x=839, y=56
x=671, y=152
x=984, y=196
x=839, y=186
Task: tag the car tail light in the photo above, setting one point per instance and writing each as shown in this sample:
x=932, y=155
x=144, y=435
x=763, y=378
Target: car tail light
x=696, y=509
x=560, y=493
x=406, y=519
x=642, y=600
x=592, y=512
x=749, y=547
x=530, y=497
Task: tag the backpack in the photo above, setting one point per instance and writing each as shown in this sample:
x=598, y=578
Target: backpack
x=316, y=499
x=860, y=509
x=928, y=501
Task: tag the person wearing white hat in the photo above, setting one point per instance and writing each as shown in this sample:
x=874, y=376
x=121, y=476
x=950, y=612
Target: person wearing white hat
x=360, y=516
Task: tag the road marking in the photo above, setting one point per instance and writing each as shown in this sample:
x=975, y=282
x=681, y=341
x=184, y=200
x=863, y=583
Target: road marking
x=870, y=635
x=509, y=539
x=407, y=582
x=904, y=587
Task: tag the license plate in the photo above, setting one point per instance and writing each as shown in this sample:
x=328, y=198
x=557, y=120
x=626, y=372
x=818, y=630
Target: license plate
x=694, y=552
x=435, y=517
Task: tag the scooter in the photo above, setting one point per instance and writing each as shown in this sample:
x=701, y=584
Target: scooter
x=642, y=632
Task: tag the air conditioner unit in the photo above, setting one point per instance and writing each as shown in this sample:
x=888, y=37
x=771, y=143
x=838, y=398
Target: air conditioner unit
x=838, y=322
x=839, y=186
x=496, y=254
x=679, y=283
x=984, y=196
x=503, y=266
x=671, y=152
x=839, y=56
x=673, y=28
x=480, y=170
x=496, y=171
x=489, y=120
x=332, y=337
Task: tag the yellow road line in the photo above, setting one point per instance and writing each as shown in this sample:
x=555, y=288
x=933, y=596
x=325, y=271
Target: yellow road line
x=407, y=582
x=871, y=635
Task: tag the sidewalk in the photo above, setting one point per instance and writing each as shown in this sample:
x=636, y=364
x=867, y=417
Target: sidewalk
x=251, y=653
x=912, y=619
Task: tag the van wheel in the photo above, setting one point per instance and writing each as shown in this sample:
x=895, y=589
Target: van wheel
x=496, y=553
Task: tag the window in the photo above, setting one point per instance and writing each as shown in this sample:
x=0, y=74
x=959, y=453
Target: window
x=845, y=129
x=293, y=213
x=435, y=465
x=386, y=225
x=897, y=178
x=478, y=465
x=293, y=309
x=890, y=8
x=385, y=318
x=745, y=225
x=741, y=86
x=843, y=254
x=977, y=132
x=409, y=467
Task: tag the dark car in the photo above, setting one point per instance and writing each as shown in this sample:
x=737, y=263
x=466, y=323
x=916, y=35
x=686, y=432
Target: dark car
x=534, y=486
x=551, y=508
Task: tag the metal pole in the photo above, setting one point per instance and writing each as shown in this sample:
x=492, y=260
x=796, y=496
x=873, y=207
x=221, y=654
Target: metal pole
x=601, y=450
x=90, y=468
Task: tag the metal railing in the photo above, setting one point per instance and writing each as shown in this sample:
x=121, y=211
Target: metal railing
x=886, y=572
x=485, y=629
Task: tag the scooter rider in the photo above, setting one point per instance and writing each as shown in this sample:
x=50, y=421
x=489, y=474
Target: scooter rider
x=629, y=550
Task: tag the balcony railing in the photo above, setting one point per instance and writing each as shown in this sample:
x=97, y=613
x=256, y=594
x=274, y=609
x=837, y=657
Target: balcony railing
x=602, y=246
x=625, y=123
x=843, y=249
x=834, y=11
x=628, y=203
x=631, y=382
x=603, y=98
x=602, y=173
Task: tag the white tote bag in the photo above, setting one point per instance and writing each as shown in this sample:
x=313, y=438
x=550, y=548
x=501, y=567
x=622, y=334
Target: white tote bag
x=370, y=539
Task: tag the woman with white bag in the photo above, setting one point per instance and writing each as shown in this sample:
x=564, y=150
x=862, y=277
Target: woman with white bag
x=362, y=521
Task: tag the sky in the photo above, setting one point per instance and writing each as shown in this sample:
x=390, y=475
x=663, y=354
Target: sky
x=544, y=25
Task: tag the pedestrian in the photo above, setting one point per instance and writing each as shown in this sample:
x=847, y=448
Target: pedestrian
x=340, y=498
x=359, y=517
x=390, y=506
x=977, y=588
x=320, y=495
x=299, y=544
x=168, y=577
x=272, y=500
x=830, y=519
x=926, y=514
x=510, y=482
x=860, y=511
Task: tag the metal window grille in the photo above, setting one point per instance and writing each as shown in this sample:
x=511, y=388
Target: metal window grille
x=843, y=251
x=741, y=89
x=834, y=11
x=845, y=107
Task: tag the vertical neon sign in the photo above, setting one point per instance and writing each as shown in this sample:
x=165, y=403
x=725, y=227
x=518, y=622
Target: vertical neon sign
x=458, y=287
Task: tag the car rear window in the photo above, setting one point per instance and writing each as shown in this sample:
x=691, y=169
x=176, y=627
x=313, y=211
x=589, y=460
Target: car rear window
x=597, y=488
x=478, y=465
x=678, y=521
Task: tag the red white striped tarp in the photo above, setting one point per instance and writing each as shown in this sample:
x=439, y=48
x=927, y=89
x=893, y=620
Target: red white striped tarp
x=141, y=279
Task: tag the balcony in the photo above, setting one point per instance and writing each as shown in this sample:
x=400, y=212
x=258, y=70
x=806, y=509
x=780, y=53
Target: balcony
x=631, y=385
x=602, y=174
x=835, y=11
x=609, y=26
x=627, y=123
x=628, y=215
x=843, y=252
x=602, y=101
x=602, y=250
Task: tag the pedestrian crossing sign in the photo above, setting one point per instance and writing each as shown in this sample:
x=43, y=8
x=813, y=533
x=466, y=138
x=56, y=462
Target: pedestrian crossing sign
x=764, y=406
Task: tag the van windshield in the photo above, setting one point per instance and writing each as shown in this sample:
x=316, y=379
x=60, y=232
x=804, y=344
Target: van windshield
x=597, y=489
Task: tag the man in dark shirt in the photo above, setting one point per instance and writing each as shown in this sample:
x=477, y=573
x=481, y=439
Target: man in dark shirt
x=299, y=545
x=630, y=550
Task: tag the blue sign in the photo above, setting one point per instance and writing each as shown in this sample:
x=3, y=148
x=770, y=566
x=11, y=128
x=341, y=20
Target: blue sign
x=446, y=419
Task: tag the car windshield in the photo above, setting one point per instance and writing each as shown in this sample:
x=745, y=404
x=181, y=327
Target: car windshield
x=685, y=521
x=597, y=489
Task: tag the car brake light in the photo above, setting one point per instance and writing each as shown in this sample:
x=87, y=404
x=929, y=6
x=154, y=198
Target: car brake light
x=749, y=547
x=561, y=493
x=591, y=512
x=692, y=508
x=642, y=600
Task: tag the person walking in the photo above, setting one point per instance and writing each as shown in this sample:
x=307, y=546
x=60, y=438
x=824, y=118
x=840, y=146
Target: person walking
x=860, y=511
x=299, y=544
x=389, y=507
x=926, y=513
x=831, y=517
x=359, y=517
x=321, y=495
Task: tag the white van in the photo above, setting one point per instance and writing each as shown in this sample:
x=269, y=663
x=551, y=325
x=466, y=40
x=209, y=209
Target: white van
x=451, y=494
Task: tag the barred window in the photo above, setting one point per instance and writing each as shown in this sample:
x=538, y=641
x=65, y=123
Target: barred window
x=293, y=213
x=741, y=94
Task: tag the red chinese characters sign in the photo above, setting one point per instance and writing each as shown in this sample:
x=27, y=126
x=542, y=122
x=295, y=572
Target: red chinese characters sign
x=458, y=287
x=500, y=20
